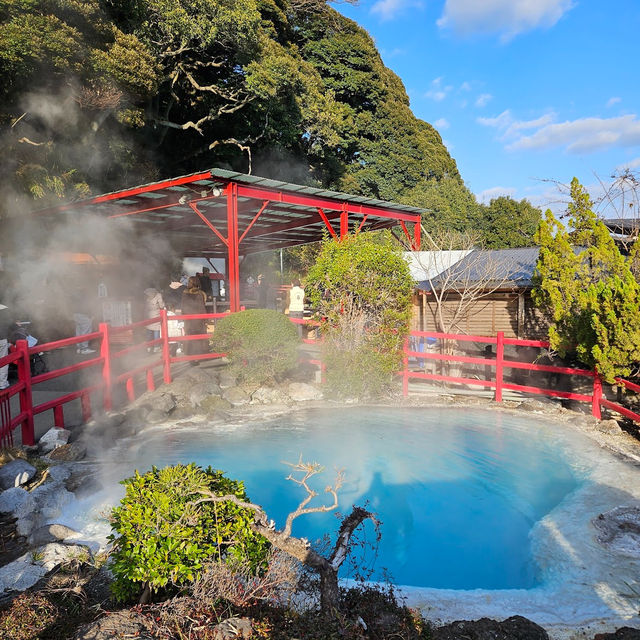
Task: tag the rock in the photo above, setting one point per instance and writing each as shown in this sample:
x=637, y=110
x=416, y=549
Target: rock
x=156, y=416
x=16, y=473
x=59, y=472
x=29, y=568
x=619, y=530
x=50, y=498
x=302, y=392
x=164, y=402
x=107, y=421
x=69, y=452
x=227, y=379
x=540, y=406
x=233, y=628
x=203, y=376
x=514, y=628
x=50, y=533
x=17, y=501
x=214, y=404
x=609, y=426
x=624, y=633
x=119, y=624
x=236, y=396
x=26, y=524
x=199, y=392
x=268, y=395
x=53, y=438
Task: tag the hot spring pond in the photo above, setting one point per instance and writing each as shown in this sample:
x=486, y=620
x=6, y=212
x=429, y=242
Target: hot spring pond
x=457, y=493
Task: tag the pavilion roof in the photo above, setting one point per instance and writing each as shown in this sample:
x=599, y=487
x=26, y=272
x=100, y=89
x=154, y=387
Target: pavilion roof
x=191, y=211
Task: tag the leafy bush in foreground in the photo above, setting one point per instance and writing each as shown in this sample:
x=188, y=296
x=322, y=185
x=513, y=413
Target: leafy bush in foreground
x=162, y=538
x=261, y=344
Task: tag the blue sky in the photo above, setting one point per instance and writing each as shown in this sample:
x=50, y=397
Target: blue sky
x=521, y=91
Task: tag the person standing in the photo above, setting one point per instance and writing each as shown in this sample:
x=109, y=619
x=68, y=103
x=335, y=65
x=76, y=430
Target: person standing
x=296, y=303
x=82, y=304
x=153, y=304
x=5, y=323
x=193, y=299
x=261, y=292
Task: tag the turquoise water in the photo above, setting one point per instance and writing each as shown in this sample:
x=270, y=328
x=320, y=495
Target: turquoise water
x=457, y=491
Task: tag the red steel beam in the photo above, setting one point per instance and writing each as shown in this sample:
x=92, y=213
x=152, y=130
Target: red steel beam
x=327, y=223
x=247, y=191
x=204, y=219
x=233, y=271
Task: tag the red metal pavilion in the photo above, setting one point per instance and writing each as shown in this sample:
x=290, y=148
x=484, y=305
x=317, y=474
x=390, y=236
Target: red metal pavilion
x=224, y=214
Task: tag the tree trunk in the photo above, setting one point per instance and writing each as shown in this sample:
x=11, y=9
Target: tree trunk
x=329, y=592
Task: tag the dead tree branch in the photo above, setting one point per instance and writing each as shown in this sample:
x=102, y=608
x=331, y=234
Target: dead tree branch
x=300, y=548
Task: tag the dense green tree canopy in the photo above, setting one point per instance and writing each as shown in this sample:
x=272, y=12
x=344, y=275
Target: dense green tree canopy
x=506, y=222
x=98, y=94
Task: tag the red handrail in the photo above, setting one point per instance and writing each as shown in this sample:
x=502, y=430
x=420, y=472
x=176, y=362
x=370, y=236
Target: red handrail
x=499, y=363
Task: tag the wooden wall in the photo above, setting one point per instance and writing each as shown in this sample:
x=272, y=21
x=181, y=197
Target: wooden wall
x=513, y=313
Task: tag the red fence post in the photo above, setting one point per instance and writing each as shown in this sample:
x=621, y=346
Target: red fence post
x=105, y=353
x=166, y=352
x=85, y=403
x=58, y=416
x=499, y=364
x=597, y=395
x=405, y=368
x=26, y=399
x=151, y=385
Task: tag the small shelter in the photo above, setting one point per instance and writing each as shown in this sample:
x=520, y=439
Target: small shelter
x=223, y=214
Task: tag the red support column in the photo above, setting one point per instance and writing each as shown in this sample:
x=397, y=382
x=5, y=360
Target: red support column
x=344, y=222
x=499, y=365
x=233, y=271
x=26, y=399
x=597, y=396
x=166, y=353
x=416, y=236
x=105, y=354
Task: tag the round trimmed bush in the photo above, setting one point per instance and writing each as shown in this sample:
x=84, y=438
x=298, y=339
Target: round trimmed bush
x=261, y=344
x=162, y=538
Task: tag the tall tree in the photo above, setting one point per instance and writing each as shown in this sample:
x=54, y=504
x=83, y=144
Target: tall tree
x=587, y=288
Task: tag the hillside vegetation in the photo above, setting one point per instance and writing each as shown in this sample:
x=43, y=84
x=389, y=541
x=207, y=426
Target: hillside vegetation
x=98, y=95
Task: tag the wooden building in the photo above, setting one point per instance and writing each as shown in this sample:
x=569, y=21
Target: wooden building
x=484, y=292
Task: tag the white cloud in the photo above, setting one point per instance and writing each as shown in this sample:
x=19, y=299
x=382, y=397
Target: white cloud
x=505, y=17
x=613, y=100
x=438, y=90
x=465, y=86
x=483, y=99
x=441, y=123
x=631, y=164
x=584, y=135
x=389, y=9
x=495, y=192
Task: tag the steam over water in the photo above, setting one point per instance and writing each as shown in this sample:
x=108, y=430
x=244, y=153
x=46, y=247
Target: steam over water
x=457, y=497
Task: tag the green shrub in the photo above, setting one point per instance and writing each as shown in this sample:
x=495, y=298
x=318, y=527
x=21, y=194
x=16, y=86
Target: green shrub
x=261, y=344
x=362, y=286
x=162, y=538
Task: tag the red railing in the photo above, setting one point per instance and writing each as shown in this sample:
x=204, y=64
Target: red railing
x=499, y=363
x=109, y=365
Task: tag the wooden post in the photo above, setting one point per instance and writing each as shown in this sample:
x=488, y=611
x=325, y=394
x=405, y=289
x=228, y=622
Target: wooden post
x=597, y=396
x=499, y=364
x=166, y=353
x=26, y=399
x=105, y=353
